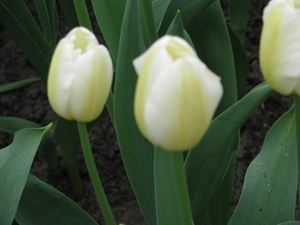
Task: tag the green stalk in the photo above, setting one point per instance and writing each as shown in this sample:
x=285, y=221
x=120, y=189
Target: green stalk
x=92, y=169
x=171, y=193
x=297, y=124
x=82, y=14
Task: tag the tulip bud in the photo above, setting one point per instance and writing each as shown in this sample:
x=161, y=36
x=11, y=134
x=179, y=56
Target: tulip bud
x=80, y=76
x=176, y=94
x=280, y=46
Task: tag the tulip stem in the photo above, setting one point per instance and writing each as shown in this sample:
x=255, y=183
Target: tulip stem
x=171, y=192
x=94, y=176
x=297, y=123
x=82, y=14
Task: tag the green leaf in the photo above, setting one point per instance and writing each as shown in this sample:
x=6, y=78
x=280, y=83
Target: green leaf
x=211, y=39
x=47, y=13
x=47, y=147
x=270, y=187
x=210, y=36
x=18, y=21
x=241, y=62
x=176, y=28
x=190, y=10
x=207, y=163
x=18, y=84
x=136, y=152
x=67, y=137
x=148, y=23
x=15, y=163
x=42, y=204
x=70, y=12
x=159, y=10
x=109, y=14
x=238, y=11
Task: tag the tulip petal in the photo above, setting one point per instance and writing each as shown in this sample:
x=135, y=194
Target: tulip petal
x=176, y=111
x=280, y=46
x=61, y=76
x=91, y=85
x=80, y=76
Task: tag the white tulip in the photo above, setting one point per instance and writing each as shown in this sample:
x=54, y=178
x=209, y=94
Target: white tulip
x=80, y=76
x=280, y=46
x=176, y=94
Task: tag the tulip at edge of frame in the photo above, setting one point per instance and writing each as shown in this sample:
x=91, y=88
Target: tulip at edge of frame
x=176, y=94
x=80, y=76
x=280, y=47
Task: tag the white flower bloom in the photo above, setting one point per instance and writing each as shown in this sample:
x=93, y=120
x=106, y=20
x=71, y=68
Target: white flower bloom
x=176, y=94
x=80, y=76
x=280, y=46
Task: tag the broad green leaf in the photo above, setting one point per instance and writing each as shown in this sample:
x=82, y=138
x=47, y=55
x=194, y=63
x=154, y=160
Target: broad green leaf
x=210, y=36
x=18, y=21
x=15, y=163
x=136, y=152
x=220, y=203
x=42, y=204
x=159, y=10
x=109, y=14
x=207, y=163
x=270, y=186
x=148, y=23
x=190, y=9
x=211, y=39
x=238, y=11
x=47, y=12
x=47, y=147
x=18, y=84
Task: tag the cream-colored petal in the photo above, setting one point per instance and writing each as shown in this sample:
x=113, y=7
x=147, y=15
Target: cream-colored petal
x=280, y=46
x=61, y=75
x=176, y=113
x=91, y=86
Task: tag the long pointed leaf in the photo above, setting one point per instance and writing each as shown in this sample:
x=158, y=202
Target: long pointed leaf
x=238, y=10
x=47, y=147
x=47, y=12
x=270, y=187
x=190, y=10
x=18, y=21
x=109, y=14
x=15, y=163
x=42, y=204
x=136, y=152
x=207, y=163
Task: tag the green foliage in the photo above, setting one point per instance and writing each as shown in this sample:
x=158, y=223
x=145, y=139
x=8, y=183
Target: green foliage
x=207, y=163
x=136, y=152
x=56, y=206
x=15, y=163
x=271, y=179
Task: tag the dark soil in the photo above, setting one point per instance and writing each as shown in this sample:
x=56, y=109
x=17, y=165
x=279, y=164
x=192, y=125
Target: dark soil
x=31, y=103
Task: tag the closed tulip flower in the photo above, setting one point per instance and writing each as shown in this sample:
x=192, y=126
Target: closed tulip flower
x=280, y=46
x=176, y=94
x=80, y=76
